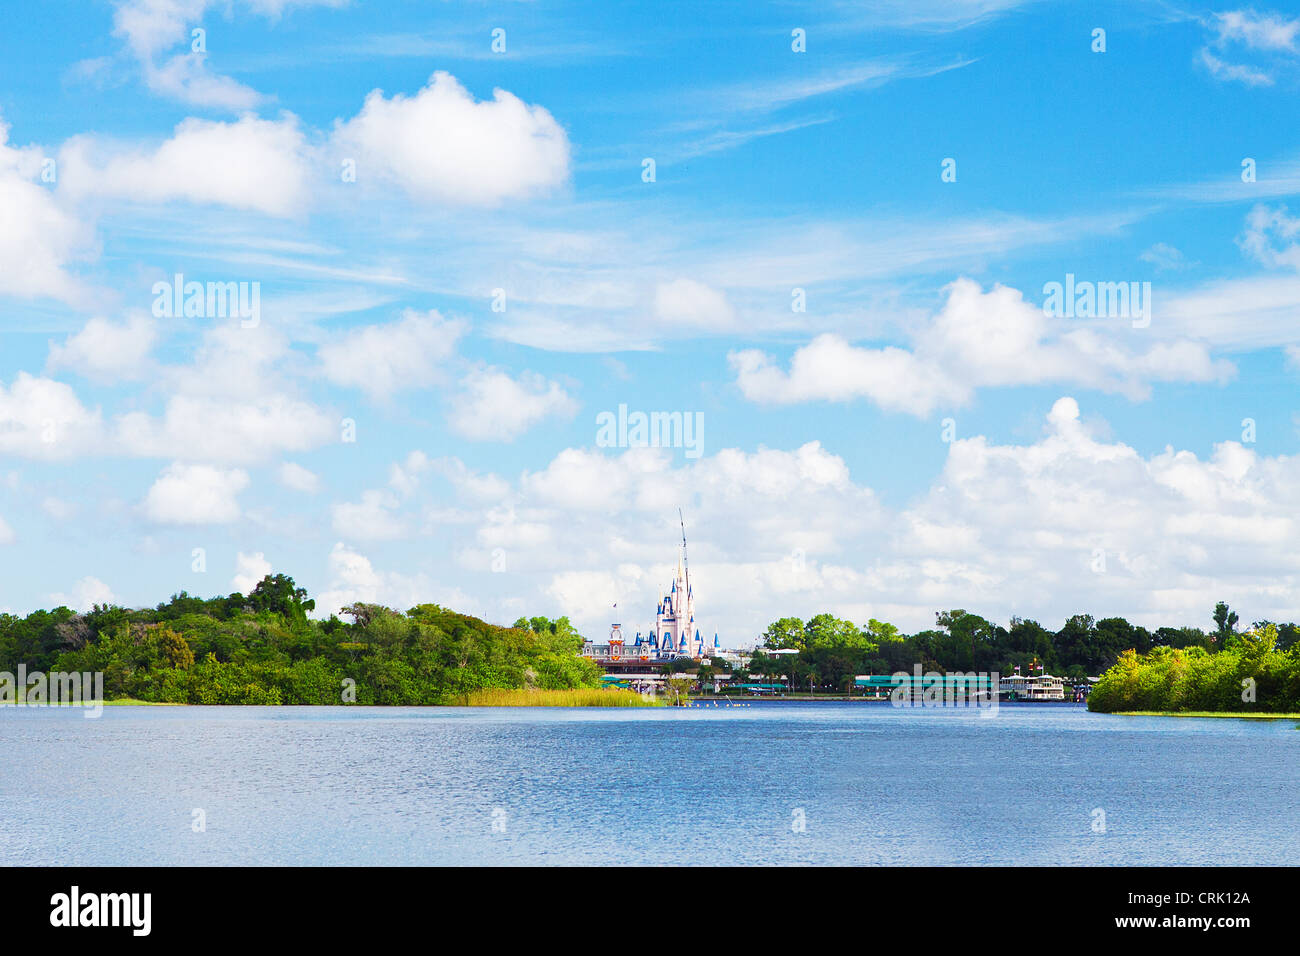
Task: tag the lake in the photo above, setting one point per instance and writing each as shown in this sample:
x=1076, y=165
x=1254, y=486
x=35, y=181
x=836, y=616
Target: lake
x=770, y=783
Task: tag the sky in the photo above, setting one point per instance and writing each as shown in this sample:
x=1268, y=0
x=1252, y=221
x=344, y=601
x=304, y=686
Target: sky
x=838, y=239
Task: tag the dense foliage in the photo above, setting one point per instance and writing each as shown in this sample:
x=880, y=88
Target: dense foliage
x=263, y=649
x=831, y=651
x=1249, y=674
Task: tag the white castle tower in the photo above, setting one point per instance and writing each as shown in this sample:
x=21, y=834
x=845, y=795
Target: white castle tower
x=675, y=628
x=675, y=633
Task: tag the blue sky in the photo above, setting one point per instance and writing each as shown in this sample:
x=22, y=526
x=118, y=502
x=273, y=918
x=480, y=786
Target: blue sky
x=923, y=435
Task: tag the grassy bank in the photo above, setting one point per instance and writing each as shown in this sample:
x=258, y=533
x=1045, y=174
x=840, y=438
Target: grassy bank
x=119, y=702
x=1206, y=713
x=579, y=697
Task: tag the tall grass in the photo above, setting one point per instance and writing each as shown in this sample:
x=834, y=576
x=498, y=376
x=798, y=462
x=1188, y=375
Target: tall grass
x=579, y=697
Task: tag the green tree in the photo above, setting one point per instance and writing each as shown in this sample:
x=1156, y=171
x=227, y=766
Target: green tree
x=678, y=690
x=278, y=594
x=1225, y=624
x=173, y=650
x=788, y=632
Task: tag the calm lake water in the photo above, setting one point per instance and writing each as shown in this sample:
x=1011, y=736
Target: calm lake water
x=875, y=784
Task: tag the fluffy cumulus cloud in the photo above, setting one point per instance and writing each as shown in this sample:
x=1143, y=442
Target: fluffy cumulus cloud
x=39, y=238
x=107, y=351
x=202, y=428
x=1023, y=527
x=44, y=419
x=492, y=406
x=384, y=359
x=249, y=570
x=979, y=339
x=441, y=145
x=232, y=404
x=1070, y=522
x=87, y=592
x=378, y=514
x=375, y=517
x=250, y=164
x=228, y=406
x=195, y=494
x=352, y=578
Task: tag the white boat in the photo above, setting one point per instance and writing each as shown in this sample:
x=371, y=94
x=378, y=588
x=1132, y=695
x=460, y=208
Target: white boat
x=1031, y=687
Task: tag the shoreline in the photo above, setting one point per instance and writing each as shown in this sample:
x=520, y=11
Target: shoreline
x=1262, y=715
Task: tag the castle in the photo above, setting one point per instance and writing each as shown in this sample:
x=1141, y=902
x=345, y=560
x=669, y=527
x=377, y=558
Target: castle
x=675, y=633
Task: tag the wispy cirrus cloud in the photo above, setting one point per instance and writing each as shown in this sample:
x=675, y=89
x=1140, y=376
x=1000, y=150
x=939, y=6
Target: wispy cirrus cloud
x=153, y=30
x=1249, y=47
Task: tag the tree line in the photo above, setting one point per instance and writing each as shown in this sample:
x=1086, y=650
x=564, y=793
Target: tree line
x=262, y=648
x=832, y=651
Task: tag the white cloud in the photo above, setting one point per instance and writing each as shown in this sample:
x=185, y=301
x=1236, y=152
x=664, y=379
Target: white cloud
x=691, y=303
x=1270, y=237
x=222, y=408
x=251, y=164
x=249, y=571
x=58, y=508
x=405, y=476
x=1269, y=38
x=7, y=535
x=374, y=518
x=234, y=363
x=151, y=28
x=830, y=369
x=88, y=592
x=471, y=484
x=186, y=77
x=979, y=339
x=1238, y=72
x=213, y=429
x=492, y=406
x=1069, y=523
x=595, y=289
x=107, y=352
x=1165, y=257
x=383, y=359
x=39, y=238
x=924, y=15
x=1252, y=312
x=441, y=146
x=295, y=476
x=42, y=418
x=353, y=578
x=195, y=494
x=1257, y=31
